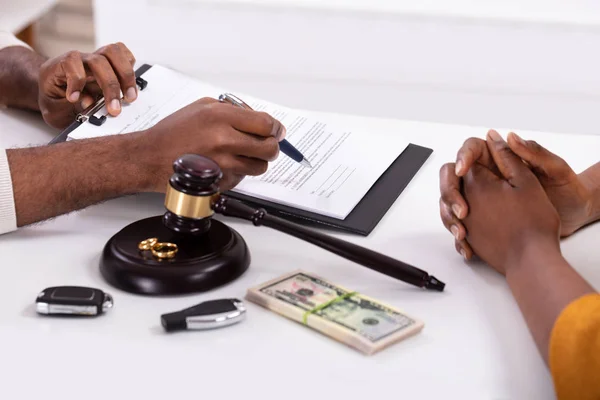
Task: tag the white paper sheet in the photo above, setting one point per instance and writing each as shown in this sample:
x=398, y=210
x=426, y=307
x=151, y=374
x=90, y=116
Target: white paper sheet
x=345, y=163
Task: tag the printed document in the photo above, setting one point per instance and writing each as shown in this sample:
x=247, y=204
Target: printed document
x=345, y=163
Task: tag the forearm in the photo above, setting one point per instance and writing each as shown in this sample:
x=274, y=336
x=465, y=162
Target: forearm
x=49, y=181
x=543, y=284
x=591, y=179
x=19, y=73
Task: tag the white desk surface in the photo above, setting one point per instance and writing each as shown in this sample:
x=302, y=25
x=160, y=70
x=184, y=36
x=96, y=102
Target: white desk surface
x=475, y=344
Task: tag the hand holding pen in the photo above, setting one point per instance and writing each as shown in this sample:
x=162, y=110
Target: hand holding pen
x=284, y=145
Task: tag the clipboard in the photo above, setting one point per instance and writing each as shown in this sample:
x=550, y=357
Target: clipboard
x=88, y=115
x=362, y=220
x=365, y=216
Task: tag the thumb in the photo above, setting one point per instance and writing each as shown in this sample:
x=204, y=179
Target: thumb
x=509, y=164
x=546, y=165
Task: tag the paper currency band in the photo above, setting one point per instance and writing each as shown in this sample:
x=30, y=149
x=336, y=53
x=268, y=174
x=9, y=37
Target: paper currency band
x=327, y=304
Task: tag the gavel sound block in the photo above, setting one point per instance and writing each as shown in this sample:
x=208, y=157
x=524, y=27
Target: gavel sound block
x=209, y=253
x=186, y=250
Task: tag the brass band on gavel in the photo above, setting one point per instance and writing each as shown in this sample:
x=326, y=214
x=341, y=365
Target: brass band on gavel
x=188, y=206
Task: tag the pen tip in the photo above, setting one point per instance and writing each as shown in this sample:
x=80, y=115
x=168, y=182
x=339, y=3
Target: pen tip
x=435, y=284
x=306, y=163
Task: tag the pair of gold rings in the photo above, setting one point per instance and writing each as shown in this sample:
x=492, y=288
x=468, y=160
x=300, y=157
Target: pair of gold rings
x=160, y=250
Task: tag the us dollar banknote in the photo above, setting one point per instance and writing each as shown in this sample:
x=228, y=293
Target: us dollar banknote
x=353, y=318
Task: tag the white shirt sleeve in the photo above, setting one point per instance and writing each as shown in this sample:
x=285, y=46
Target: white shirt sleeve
x=8, y=39
x=8, y=215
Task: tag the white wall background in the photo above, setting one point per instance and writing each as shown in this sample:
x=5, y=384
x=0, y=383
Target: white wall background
x=527, y=64
x=69, y=25
x=523, y=65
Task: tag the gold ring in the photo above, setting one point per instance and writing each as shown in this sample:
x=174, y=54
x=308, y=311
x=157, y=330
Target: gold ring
x=164, y=250
x=147, y=244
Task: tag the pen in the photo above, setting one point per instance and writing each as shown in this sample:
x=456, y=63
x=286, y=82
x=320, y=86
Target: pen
x=285, y=146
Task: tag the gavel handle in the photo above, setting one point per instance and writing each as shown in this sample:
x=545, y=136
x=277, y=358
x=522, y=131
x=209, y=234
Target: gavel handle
x=371, y=259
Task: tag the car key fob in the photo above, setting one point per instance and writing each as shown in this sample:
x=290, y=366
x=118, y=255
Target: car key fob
x=207, y=315
x=73, y=300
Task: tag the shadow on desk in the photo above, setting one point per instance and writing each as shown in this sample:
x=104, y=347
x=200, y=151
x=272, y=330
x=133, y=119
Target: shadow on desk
x=32, y=233
x=477, y=298
x=127, y=208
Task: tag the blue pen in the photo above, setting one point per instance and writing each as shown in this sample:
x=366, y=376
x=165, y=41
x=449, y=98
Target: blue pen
x=285, y=146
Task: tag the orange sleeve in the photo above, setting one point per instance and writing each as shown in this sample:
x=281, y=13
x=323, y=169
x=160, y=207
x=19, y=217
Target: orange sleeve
x=574, y=352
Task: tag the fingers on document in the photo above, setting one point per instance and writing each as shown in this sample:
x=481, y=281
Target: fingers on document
x=241, y=165
x=112, y=69
x=74, y=71
x=205, y=101
x=245, y=136
x=253, y=122
x=122, y=62
x=246, y=166
x=107, y=80
x=250, y=147
x=254, y=133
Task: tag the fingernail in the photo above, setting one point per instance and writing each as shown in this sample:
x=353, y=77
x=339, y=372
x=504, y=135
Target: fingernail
x=131, y=94
x=463, y=253
x=74, y=96
x=86, y=102
x=454, y=230
x=283, y=133
x=520, y=139
x=115, y=105
x=495, y=136
x=459, y=167
x=457, y=210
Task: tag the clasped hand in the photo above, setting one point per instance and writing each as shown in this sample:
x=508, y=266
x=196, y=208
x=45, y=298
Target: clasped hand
x=501, y=196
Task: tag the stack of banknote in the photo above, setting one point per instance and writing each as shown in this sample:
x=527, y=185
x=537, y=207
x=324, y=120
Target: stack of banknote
x=351, y=318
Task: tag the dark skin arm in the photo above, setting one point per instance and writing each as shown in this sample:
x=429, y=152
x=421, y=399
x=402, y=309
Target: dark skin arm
x=513, y=226
x=19, y=73
x=592, y=178
x=543, y=284
x=52, y=180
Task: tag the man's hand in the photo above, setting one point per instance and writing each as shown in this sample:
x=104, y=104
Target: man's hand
x=240, y=141
x=571, y=194
x=78, y=173
x=70, y=83
x=508, y=214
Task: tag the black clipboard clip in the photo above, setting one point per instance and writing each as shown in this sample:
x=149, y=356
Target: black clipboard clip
x=88, y=115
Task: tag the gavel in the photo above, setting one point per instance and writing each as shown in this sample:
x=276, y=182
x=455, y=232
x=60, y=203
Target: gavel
x=187, y=250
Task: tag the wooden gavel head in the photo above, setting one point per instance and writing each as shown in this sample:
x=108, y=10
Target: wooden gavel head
x=190, y=192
